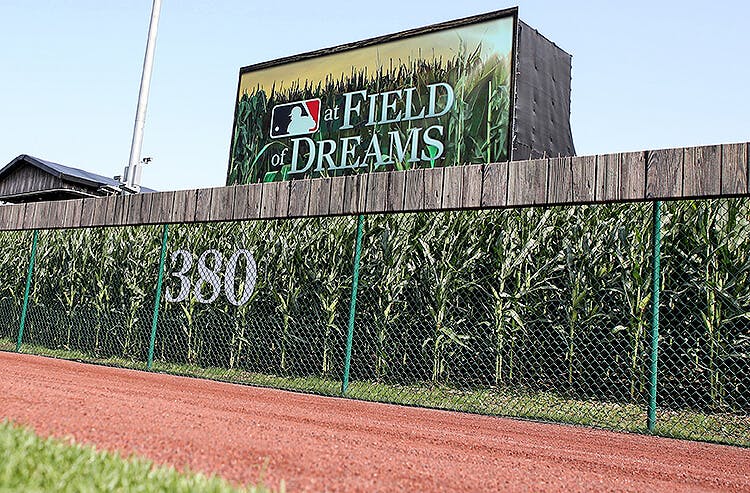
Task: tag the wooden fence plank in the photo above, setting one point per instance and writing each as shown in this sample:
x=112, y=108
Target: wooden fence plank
x=734, y=161
x=702, y=171
x=336, y=204
x=282, y=198
x=320, y=196
x=633, y=176
x=355, y=194
x=377, y=189
x=664, y=173
x=5, y=213
x=584, y=178
x=560, y=182
x=527, y=182
x=183, y=207
x=299, y=198
x=18, y=216
x=114, y=204
x=87, y=211
x=268, y=200
x=494, y=185
x=161, y=207
x=28, y=221
x=222, y=204
x=247, y=201
x=453, y=181
x=396, y=189
x=414, y=190
x=433, y=188
x=73, y=213
x=147, y=201
x=607, y=177
x=202, y=204
x=471, y=184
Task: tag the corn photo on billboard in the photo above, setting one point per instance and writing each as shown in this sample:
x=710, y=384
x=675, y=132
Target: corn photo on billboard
x=431, y=97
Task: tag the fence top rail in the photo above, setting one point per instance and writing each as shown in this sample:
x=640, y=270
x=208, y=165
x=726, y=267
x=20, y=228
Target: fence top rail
x=692, y=172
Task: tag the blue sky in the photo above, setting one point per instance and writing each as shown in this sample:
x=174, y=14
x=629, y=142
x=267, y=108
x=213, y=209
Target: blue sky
x=645, y=74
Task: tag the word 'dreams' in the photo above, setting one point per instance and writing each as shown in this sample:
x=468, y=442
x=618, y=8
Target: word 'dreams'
x=361, y=109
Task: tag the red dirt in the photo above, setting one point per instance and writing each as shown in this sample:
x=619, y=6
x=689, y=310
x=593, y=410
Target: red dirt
x=329, y=444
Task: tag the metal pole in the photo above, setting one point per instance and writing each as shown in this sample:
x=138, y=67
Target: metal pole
x=32, y=258
x=157, y=298
x=131, y=175
x=655, y=316
x=352, y=305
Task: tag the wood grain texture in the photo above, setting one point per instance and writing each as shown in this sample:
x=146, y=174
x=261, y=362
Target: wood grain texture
x=161, y=207
x=377, y=189
x=133, y=211
x=702, y=171
x=527, y=182
x=336, y=204
x=664, y=173
x=734, y=169
x=282, y=198
x=203, y=204
x=222, y=204
x=247, y=201
x=268, y=201
x=113, y=205
x=183, y=207
x=299, y=198
x=144, y=215
x=433, y=188
x=607, y=177
x=87, y=211
x=19, y=214
x=633, y=176
x=29, y=213
x=320, y=196
x=471, y=184
x=453, y=181
x=560, y=182
x=394, y=200
x=5, y=213
x=353, y=196
x=72, y=218
x=584, y=178
x=494, y=185
x=414, y=190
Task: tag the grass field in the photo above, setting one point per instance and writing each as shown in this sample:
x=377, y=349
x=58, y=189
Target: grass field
x=31, y=463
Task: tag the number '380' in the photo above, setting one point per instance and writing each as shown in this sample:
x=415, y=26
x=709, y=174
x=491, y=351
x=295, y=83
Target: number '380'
x=208, y=286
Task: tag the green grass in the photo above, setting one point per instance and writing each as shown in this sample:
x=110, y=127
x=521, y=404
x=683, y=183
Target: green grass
x=31, y=463
x=724, y=428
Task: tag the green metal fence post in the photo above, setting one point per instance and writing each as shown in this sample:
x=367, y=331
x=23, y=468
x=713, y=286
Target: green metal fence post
x=352, y=305
x=32, y=259
x=655, y=317
x=157, y=298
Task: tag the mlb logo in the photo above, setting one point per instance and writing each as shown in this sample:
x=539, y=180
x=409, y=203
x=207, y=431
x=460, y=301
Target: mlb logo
x=298, y=118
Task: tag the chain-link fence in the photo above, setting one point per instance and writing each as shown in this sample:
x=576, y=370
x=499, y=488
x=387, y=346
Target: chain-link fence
x=541, y=313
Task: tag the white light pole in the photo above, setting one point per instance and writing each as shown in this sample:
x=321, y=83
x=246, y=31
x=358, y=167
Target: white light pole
x=132, y=175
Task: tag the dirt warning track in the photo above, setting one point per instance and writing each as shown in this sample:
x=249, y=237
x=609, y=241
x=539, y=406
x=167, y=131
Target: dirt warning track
x=328, y=444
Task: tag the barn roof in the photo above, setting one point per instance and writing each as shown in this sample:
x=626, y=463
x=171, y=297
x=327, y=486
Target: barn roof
x=61, y=181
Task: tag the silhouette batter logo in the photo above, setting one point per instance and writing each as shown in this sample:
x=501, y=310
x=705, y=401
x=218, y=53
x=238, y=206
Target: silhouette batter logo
x=298, y=118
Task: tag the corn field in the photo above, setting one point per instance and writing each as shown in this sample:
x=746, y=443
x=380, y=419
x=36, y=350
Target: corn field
x=543, y=313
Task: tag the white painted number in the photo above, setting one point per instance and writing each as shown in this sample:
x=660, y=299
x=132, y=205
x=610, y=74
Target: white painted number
x=187, y=264
x=251, y=275
x=208, y=287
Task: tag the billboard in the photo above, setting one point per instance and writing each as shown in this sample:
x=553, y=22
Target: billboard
x=430, y=97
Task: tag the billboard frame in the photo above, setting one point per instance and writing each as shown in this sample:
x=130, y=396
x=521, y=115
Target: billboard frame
x=409, y=33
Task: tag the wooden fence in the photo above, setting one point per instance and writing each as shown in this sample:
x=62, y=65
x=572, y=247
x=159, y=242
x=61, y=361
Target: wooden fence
x=692, y=172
